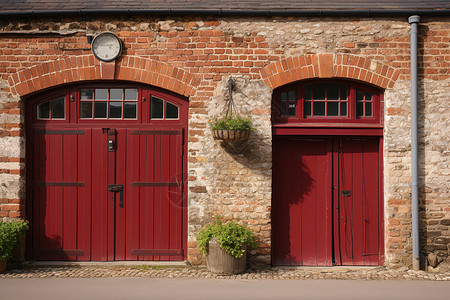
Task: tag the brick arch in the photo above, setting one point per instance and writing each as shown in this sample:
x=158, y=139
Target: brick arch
x=83, y=68
x=329, y=66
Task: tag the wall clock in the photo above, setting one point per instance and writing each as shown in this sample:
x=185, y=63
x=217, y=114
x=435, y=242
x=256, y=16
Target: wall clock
x=106, y=46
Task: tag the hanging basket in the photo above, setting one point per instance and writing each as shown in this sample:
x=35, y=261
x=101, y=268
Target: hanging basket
x=230, y=136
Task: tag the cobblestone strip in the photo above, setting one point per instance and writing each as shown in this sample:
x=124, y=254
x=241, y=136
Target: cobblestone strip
x=252, y=273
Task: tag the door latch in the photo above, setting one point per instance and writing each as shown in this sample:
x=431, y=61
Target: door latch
x=117, y=188
x=110, y=145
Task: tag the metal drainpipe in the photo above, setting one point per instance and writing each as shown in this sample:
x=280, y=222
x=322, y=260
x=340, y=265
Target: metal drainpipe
x=414, y=21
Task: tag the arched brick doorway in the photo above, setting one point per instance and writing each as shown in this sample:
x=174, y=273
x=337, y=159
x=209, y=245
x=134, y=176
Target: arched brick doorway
x=105, y=173
x=327, y=158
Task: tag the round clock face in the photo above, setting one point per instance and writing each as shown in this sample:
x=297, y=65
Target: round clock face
x=106, y=46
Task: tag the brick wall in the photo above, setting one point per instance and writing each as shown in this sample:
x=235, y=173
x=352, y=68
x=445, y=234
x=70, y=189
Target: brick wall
x=237, y=182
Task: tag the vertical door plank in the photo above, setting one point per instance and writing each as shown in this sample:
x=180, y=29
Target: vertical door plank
x=99, y=196
x=164, y=240
x=120, y=170
x=371, y=200
x=358, y=182
x=39, y=194
x=70, y=161
x=55, y=210
x=85, y=227
x=132, y=195
x=336, y=203
x=175, y=194
x=112, y=198
x=158, y=209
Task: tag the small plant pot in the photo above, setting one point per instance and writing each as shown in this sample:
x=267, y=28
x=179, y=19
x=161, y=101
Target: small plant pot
x=2, y=266
x=222, y=263
x=230, y=136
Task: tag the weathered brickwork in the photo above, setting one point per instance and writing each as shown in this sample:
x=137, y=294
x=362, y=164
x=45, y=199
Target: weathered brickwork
x=196, y=56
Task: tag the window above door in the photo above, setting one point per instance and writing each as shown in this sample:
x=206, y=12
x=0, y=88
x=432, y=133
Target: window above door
x=326, y=101
x=107, y=103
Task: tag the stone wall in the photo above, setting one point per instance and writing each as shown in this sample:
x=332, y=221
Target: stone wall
x=237, y=182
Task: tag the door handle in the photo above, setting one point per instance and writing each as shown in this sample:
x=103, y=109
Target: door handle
x=117, y=188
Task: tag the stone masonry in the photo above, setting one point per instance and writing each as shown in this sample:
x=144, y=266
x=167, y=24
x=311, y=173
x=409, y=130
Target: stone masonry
x=198, y=55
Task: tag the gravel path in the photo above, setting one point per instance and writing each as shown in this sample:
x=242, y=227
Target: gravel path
x=252, y=273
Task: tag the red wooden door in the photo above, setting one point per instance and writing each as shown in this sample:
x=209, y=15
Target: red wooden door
x=107, y=189
x=326, y=202
x=61, y=194
x=357, y=199
x=301, y=207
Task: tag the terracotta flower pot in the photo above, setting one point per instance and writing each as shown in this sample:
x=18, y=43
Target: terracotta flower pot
x=220, y=262
x=230, y=136
x=2, y=266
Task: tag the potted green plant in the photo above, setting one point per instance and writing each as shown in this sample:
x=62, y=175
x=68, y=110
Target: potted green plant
x=225, y=246
x=10, y=234
x=231, y=129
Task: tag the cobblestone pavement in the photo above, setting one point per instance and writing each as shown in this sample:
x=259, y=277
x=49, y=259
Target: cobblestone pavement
x=254, y=272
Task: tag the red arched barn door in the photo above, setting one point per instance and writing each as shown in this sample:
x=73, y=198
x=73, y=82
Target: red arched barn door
x=105, y=174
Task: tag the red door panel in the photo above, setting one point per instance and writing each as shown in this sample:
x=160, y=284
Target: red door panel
x=326, y=202
x=358, y=202
x=301, y=210
x=157, y=211
x=57, y=184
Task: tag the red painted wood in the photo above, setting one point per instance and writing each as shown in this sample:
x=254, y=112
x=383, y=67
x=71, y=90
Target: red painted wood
x=359, y=214
x=100, y=197
x=301, y=203
x=85, y=221
x=175, y=194
x=84, y=232
x=120, y=178
x=132, y=196
x=308, y=174
x=327, y=131
x=70, y=194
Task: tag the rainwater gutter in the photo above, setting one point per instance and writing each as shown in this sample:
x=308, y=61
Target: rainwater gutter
x=414, y=21
x=233, y=12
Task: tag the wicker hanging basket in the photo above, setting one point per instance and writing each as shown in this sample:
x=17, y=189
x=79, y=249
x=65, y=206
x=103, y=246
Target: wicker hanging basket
x=230, y=136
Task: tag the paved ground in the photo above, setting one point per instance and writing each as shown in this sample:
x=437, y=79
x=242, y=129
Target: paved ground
x=255, y=272
x=164, y=288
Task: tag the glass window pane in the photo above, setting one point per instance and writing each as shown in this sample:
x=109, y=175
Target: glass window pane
x=85, y=110
x=307, y=108
x=283, y=108
x=343, y=108
x=319, y=91
x=291, y=107
x=319, y=109
x=368, y=97
x=100, y=109
x=43, y=110
x=86, y=94
x=171, y=111
x=115, y=94
x=283, y=96
x=359, y=109
x=368, y=109
x=131, y=94
x=101, y=94
x=157, y=108
x=343, y=92
x=332, y=108
x=333, y=91
x=130, y=110
x=291, y=96
x=308, y=92
x=115, y=110
x=58, y=108
x=359, y=95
